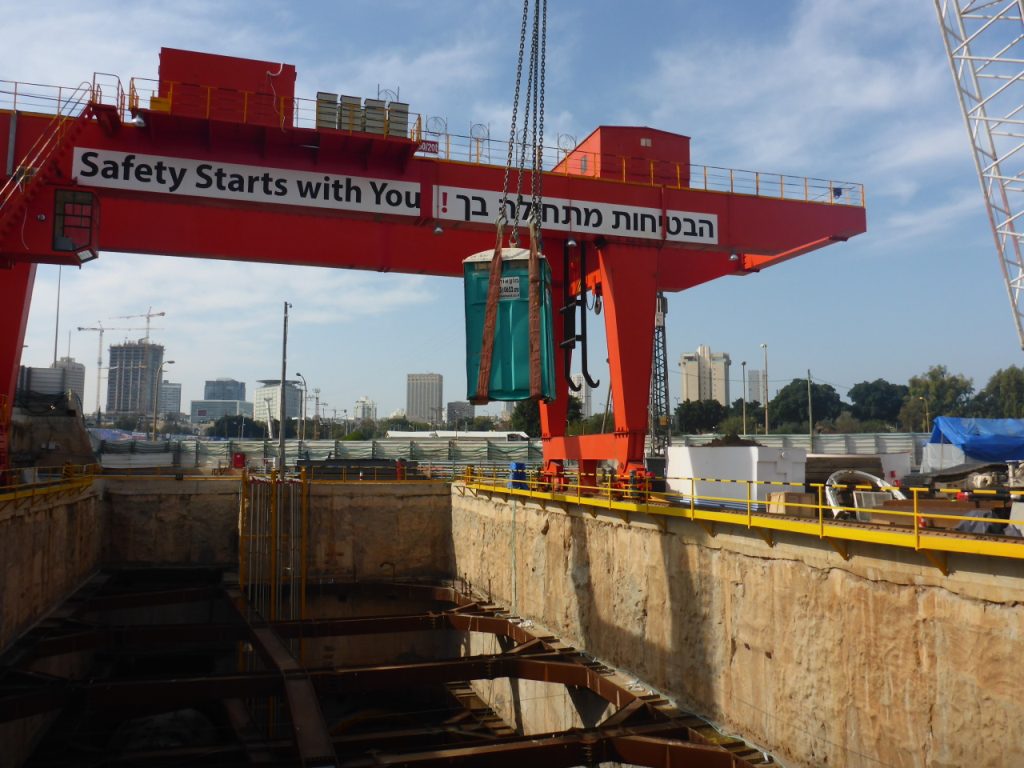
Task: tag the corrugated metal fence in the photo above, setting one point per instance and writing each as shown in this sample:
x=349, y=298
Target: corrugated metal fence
x=262, y=453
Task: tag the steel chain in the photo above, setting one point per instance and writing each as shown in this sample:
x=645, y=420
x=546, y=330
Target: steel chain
x=515, y=111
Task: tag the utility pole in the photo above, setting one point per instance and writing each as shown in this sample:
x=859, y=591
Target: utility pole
x=764, y=348
x=810, y=413
x=284, y=373
x=316, y=413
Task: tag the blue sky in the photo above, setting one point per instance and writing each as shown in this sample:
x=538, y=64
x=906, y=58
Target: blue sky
x=831, y=89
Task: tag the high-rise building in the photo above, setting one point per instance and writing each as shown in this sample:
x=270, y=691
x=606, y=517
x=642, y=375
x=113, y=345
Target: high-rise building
x=74, y=377
x=364, y=410
x=423, y=397
x=583, y=394
x=460, y=413
x=705, y=375
x=224, y=389
x=755, y=386
x=267, y=400
x=169, y=402
x=204, y=411
x=132, y=376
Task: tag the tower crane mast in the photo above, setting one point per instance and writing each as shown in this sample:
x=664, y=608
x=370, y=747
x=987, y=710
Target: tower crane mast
x=984, y=42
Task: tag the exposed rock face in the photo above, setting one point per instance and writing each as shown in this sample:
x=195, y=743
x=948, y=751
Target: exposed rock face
x=877, y=660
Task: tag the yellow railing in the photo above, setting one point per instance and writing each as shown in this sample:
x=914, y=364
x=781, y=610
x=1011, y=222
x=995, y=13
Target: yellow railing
x=920, y=528
x=41, y=482
x=433, y=137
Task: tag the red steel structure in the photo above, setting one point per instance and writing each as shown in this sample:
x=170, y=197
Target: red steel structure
x=215, y=164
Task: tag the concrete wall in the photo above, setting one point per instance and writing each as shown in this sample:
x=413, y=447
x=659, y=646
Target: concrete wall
x=48, y=546
x=878, y=660
x=357, y=527
x=168, y=522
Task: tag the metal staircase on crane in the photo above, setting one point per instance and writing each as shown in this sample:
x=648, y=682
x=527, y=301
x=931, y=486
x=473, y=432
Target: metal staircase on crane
x=41, y=163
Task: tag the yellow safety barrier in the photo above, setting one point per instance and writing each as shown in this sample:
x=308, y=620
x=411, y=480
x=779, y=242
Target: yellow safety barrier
x=916, y=528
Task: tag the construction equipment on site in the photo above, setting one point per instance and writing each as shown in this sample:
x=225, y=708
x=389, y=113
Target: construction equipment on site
x=219, y=159
x=149, y=315
x=984, y=42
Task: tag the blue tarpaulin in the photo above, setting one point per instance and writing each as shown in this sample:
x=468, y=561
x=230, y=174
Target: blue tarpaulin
x=982, y=439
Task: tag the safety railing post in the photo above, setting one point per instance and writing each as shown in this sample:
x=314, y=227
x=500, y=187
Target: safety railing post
x=917, y=521
x=693, y=497
x=750, y=514
x=821, y=511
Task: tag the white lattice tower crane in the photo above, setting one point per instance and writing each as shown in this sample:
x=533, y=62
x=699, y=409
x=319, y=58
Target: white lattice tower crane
x=150, y=314
x=985, y=43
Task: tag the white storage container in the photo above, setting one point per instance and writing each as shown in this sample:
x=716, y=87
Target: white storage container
x=742, y=463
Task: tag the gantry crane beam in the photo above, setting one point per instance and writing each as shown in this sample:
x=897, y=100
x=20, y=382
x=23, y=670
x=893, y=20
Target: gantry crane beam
x=210, y=182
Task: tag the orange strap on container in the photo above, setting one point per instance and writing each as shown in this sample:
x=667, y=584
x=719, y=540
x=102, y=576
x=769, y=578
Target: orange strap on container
x=483, y=379
x=535, y=371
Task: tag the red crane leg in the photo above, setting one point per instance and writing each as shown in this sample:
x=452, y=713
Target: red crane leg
x=627, y=278
x=15, y=298
x=553, y=415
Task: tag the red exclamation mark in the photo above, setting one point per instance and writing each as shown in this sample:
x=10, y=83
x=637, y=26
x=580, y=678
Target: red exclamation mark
x=444, y=202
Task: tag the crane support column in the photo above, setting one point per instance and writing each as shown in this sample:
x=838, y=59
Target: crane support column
x=15, y=298
x=626, y=280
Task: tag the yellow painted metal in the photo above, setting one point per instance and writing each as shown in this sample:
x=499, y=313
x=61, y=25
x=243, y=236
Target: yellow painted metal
x=839, y=534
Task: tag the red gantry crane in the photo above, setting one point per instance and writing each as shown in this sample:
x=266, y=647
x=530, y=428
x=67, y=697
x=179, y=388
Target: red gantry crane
x=218, y=159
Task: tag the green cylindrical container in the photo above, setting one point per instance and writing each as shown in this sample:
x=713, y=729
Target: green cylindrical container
x=510, y=365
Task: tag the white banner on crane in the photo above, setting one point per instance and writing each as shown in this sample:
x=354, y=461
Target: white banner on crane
x=481, y=206
x=281, y=186
x=248, y=183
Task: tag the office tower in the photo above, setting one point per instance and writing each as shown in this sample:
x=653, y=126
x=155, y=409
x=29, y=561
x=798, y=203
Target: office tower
x=584, y=394
x=169, y=402
x=424, y=397
x=132, y=376
x=267, y=400
x=705, y=375
x=365, y=409
x=224, y=389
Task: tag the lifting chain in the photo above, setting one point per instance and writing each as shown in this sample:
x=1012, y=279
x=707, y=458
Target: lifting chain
x=533, y=130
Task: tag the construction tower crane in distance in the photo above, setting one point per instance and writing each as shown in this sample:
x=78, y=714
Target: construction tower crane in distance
x=984, y=42
x=148, y=315
x=99, y=355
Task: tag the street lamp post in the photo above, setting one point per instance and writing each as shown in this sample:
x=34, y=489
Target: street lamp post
x=743, y=365
x=927, y=416
x=764, y=348
x=156, y=391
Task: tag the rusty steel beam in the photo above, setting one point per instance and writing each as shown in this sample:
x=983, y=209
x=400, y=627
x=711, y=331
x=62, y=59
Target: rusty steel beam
x=312, y=736
x=660, y=745
x=171, y=634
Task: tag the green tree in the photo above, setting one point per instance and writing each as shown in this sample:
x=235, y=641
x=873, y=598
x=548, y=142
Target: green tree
x=526, y=415
x=937, y=392
x=482, y=424
x=878, y=400
x=788, y=409
x=695, y=416
x=237, y=426
x=1003, y=396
